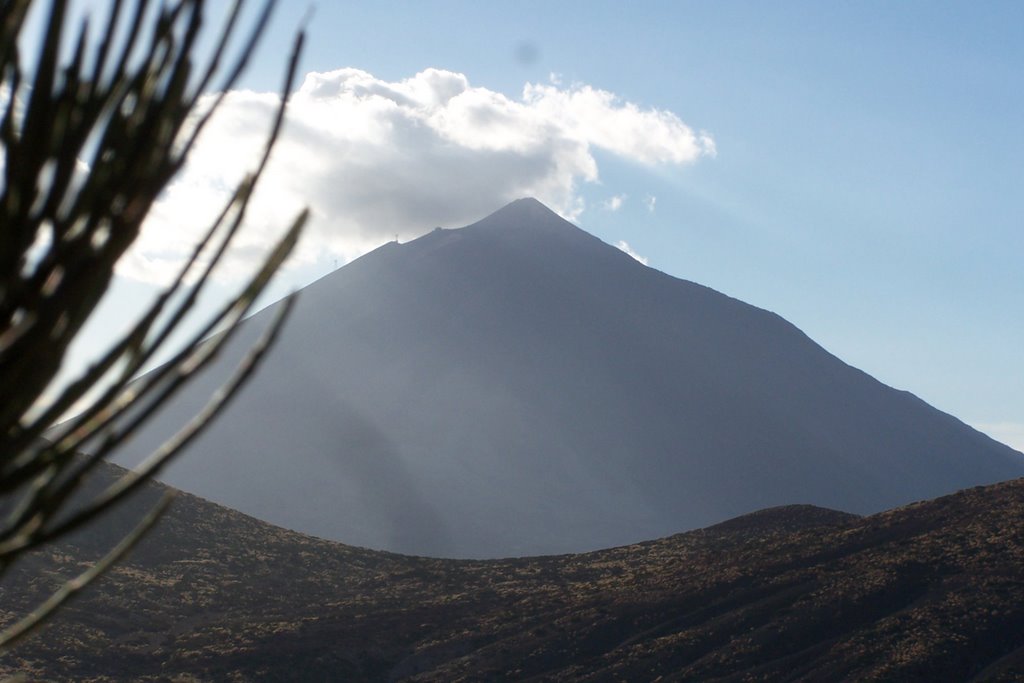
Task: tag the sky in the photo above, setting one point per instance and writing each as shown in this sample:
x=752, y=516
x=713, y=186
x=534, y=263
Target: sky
x=856, y=167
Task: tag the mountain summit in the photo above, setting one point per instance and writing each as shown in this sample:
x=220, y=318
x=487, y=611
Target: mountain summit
x=520, y=387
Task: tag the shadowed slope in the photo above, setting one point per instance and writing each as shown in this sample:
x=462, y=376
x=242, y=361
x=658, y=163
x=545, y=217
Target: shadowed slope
x=520, y=387
x=923, y=593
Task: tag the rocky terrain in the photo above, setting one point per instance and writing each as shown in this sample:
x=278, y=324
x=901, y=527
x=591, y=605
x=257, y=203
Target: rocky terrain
x=932, y=591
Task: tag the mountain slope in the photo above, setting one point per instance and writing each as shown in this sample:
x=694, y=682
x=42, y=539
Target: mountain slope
x=519, y=387
x=923, y=593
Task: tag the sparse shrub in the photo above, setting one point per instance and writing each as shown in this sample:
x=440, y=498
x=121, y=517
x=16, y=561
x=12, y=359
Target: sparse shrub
x=94, y=125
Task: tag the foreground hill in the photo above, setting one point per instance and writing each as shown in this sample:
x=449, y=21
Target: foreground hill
x=928, y=592
x=519, y=387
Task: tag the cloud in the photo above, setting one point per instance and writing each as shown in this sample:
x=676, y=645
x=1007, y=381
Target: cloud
x=649, y=201
x=614, y=203
x=624, y=246
x=374, y=159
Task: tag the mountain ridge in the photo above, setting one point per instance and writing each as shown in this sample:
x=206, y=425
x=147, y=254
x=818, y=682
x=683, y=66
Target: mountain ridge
x=520, y=387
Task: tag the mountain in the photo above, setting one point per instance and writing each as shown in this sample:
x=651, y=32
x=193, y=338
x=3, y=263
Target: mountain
x=929, y=592
x=519, y=387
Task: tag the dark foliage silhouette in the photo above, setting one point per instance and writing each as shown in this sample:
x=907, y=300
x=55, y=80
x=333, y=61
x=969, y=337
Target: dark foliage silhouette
x=88, y=139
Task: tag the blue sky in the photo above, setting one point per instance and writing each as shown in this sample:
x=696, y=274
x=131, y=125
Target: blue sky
x=862, y=174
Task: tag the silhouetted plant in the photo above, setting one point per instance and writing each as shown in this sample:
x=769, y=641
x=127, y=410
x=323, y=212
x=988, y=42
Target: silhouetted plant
x=87, y=142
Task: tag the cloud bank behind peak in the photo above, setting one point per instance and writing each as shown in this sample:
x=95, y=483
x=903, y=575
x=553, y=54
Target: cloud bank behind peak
x=375, y=159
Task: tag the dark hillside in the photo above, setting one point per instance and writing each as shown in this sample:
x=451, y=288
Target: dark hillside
x=933, y=591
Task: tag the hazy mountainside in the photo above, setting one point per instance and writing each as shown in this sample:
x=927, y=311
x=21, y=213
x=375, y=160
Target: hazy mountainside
x=520, y=387
x=924, y=593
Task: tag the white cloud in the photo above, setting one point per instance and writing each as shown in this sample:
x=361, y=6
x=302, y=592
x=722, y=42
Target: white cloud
x=624, y=246
x=1009, y=433
x=373, y=159
x=649, y=201
x=614, y=203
